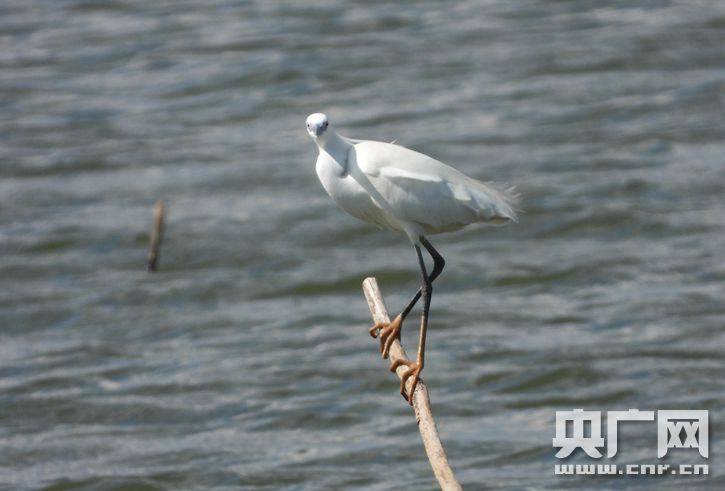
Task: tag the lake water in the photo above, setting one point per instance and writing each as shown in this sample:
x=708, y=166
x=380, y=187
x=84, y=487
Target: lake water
x=245, y=361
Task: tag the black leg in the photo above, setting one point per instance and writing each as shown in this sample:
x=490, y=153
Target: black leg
x=438, y=265
x=427, y=291
x=415, y=367
x=391, y=331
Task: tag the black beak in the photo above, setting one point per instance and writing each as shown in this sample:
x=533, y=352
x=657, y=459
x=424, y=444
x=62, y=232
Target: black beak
x=319, y=130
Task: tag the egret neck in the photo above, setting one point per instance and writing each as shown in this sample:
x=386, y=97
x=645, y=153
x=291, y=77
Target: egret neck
x=336, y=147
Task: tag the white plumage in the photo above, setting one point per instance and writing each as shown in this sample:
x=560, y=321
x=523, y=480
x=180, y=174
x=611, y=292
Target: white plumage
x=400, y=189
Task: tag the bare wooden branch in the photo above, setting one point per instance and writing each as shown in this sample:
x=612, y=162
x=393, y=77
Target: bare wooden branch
x=421, y=402
x=157, y=234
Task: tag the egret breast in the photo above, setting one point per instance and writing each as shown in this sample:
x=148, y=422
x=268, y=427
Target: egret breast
x=351, y=196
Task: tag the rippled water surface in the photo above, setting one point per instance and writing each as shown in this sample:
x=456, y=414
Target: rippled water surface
x=245, y=362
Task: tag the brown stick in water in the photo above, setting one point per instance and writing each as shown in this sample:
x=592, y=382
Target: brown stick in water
x=157, y=234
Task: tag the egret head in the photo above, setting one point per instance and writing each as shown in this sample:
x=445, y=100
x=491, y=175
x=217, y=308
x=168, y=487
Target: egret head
x=317, y=125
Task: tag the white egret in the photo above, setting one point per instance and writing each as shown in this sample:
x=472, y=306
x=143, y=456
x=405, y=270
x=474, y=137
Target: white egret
x=399, y=189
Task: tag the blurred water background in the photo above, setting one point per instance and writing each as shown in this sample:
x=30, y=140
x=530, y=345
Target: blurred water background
x=245, y=362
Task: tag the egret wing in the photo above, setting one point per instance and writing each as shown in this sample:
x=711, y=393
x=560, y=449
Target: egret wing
x=422, y=190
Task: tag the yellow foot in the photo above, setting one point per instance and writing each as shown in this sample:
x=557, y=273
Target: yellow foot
x=388, y=332
x=414, y=369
